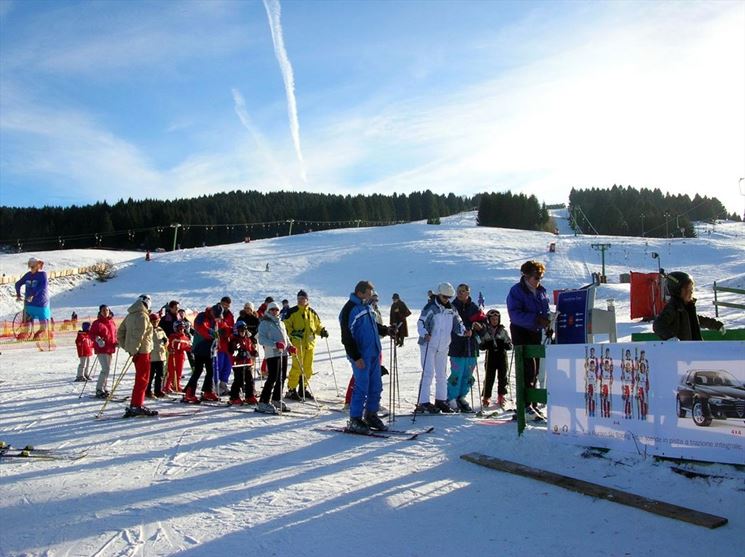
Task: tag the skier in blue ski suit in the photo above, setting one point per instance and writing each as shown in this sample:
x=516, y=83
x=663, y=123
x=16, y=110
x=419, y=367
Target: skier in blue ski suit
x=360, y=334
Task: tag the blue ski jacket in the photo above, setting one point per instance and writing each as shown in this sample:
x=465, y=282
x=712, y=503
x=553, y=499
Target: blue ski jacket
x=360, y=333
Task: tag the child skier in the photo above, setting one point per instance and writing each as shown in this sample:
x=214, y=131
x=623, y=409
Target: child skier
x=242, y=350
x=178, y=345
x=84, y=344
x=495, y=342
x=157, y=357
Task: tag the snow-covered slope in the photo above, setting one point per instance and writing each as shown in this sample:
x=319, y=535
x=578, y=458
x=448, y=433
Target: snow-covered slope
x=227, y=481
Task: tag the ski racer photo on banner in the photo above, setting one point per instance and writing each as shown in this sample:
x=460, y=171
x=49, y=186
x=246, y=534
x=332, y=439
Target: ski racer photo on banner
x=679, y=400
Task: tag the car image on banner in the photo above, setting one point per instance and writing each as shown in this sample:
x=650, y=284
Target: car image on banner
x=673, y=399
x=708, y=395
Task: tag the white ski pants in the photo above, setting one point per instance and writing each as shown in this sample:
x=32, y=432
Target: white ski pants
x=434, y=364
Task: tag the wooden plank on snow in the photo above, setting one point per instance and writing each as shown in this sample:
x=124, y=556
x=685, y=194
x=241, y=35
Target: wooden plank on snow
x=599, y=491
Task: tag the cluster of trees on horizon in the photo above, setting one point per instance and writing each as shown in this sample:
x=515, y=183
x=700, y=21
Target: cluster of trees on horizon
x=214, y=219
x=508, y=210
x=631, y=212
x=234, y=216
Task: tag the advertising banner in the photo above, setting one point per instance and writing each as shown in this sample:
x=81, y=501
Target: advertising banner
x=673, y=399
x=571, y=324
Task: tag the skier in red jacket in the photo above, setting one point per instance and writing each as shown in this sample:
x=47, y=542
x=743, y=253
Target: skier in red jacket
x=84, y=344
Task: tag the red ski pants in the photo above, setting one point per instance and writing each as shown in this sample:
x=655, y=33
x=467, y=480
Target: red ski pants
x=142, y=378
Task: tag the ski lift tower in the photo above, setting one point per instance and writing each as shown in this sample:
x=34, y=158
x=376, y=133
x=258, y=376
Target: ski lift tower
x=602, y=248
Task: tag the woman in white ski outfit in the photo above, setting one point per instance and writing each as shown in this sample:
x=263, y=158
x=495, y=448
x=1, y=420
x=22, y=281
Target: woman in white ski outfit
x=437, y=321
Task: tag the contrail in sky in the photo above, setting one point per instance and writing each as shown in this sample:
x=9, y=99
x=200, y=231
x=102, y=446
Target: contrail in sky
x=273, y=12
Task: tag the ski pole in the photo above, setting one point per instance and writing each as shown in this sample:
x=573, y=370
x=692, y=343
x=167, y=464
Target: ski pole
x=302, y=380
x=478, y=384
x=509, y=374
x=331, y=361
x=421, y=381
x=391, y=385
x=89, y=374
x=394, y=382
x=116, y=359
x=116, y=384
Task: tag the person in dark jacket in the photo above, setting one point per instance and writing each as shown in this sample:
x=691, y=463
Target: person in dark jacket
x=527, y=305
x=360, y=335
x=249, y=317
x=171, y=316
x=495, y=342
x=678, y=319
x=399, y=313
x=207, y=325
x=464, y=350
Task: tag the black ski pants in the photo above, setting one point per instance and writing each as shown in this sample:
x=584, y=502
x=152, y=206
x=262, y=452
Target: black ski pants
x=277, y=373
x=243, y=379
x=156, y=378
x=201, y=363
x=496, y=367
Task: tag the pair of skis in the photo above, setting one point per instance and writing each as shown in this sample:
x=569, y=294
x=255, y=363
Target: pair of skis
x=30, y=452
x=400, y=434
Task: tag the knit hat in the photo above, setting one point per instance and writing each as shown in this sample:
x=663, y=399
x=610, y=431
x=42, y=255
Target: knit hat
x=302, y=294
x=85, y=327
x=396, y=297
x=273, y=305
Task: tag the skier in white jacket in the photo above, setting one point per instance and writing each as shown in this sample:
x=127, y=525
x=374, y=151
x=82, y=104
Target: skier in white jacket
x=435, y=325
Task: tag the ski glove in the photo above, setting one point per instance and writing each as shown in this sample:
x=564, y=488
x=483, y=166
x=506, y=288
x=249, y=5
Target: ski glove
x=280, y=345
x=255, y=353
x=292, y=350
x=542, y=321
x=323, y=333
x=101, y=342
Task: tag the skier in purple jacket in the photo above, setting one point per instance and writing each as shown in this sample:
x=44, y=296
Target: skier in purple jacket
x=527, y=305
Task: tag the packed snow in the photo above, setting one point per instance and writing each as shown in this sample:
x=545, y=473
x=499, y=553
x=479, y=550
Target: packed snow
x=232, y=482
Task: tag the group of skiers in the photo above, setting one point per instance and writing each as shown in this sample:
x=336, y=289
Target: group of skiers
x=451, y=330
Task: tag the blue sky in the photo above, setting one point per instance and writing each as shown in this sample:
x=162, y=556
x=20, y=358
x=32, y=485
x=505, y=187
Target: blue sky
x=164, y=99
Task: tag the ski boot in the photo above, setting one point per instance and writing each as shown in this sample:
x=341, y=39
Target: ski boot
x=281, y=406
x=235, y=402
x=210, y=396
x=79, y=379
x=137, y=411
x=189, y=397
x=500, y=401
x=251, y=400
x=444, y=407
x=292, y=394
x=102, y=393
x=463, y=405
x=426, y=408
x=357, y=425
x=374, y=422
x=485, y=402
x=222, y=388
x=266, y=408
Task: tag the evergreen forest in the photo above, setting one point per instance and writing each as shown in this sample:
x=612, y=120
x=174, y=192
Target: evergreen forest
x=213, y=219
x=645, y=212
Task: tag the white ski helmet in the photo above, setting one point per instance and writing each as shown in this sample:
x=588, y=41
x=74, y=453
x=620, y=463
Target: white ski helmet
x=446, y=289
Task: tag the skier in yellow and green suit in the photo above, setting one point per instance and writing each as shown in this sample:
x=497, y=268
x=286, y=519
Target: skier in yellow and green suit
x=303, y=325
